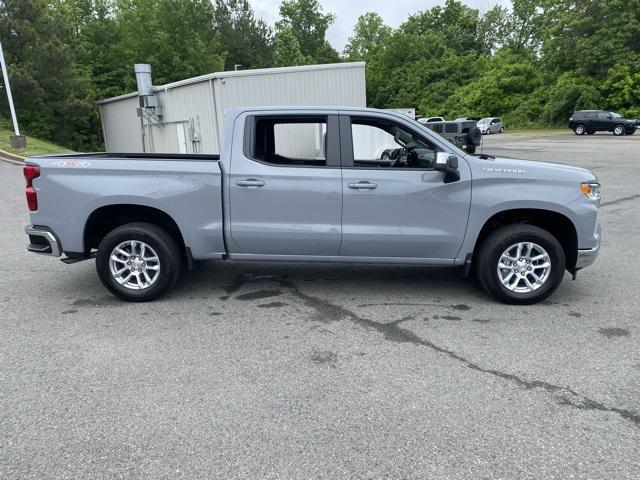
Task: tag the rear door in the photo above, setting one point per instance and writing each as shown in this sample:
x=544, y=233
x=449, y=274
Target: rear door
x=398, y=209
x=285, y=186
x=602, y=121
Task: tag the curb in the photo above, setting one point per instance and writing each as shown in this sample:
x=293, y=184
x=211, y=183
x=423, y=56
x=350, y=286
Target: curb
x=11, y=158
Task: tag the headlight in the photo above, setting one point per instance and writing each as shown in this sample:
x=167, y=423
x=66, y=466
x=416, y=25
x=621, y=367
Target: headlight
x=591, y=190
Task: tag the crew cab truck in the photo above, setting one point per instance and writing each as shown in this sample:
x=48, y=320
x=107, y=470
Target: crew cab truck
x=306, y=184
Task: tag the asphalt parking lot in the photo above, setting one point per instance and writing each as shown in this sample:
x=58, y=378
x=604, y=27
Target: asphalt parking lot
x=319, y=371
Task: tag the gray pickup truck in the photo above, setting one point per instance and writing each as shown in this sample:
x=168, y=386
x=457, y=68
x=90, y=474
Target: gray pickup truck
x=308, y=184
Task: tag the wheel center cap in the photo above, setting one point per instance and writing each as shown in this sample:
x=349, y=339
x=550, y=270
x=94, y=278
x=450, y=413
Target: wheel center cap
x=136, y=263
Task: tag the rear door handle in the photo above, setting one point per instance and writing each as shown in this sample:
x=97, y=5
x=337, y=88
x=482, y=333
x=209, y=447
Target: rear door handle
x=250, y=182
x=363, y=185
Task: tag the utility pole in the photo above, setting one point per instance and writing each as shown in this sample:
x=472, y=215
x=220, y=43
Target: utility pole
x=17, y=141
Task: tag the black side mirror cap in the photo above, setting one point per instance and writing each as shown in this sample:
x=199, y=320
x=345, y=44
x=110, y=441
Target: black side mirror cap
x=448, y=164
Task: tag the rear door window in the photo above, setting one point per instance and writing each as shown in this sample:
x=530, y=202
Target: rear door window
x=288, y=140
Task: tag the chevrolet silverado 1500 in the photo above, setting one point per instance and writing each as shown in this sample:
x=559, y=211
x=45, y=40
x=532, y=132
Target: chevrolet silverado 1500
x=308, y=184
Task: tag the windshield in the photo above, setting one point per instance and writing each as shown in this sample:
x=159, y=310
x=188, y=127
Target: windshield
x=615, y=115
x=484, y=120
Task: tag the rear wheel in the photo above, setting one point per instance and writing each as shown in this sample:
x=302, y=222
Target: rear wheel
x=520, y=264
x=618, y=130
x=138, y=262
x=579, y=129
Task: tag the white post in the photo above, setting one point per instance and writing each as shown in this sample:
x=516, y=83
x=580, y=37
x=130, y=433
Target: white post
x=9, y=97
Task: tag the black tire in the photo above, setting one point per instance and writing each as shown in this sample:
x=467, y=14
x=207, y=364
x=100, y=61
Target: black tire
x=470, y=149
x=501, y=130
x=170, y=260
x=579, y=129
x=618, y=130
x=385, y=156
x=488, y=131
x=488, y=256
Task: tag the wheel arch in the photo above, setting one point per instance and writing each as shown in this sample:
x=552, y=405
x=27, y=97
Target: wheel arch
x=104, y=219
x=557, y=224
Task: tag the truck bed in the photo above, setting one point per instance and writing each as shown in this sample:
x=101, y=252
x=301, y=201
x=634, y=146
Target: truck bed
x=74, y=187
x=137, y=156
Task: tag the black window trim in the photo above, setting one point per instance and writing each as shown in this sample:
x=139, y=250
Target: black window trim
x=346, y=144
x=333, y=159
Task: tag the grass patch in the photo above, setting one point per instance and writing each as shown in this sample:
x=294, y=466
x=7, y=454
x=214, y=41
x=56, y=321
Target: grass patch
x=34, y=145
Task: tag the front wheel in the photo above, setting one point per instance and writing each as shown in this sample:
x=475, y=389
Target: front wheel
x=501, y=129
x=618, y=130
x=488, y=131
x=579, y=129
x=138, y=262
x=520, y=264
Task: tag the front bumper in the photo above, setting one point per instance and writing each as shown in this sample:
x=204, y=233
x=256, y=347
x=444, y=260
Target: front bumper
x=42, y=241
x=587, y=256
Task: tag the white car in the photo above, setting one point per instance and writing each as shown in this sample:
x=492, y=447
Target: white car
x=490, y=125
x=424, y=120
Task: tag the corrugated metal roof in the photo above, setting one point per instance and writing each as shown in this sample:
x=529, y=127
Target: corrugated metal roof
x=240, y=73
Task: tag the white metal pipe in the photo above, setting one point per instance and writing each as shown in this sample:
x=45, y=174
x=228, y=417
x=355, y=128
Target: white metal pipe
x=5, y=75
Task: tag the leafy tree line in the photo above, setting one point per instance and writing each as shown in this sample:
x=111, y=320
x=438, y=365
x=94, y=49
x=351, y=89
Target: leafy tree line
x=532, y=64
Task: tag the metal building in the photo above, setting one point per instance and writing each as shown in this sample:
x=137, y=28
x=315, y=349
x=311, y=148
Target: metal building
x=186, y=116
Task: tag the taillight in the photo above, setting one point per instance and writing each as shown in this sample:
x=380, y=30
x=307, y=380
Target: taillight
x=31, y=172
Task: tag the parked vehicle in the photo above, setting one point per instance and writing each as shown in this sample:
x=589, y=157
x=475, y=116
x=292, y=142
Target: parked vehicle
x=592, y=121
x=463, y=134
x=425, y=120
x=490, y=125
x=519, y=224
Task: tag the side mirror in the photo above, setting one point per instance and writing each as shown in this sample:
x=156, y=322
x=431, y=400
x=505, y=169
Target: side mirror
x=447, y=163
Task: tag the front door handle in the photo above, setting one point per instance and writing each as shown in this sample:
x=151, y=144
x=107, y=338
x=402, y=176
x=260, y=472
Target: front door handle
x=250, y=182
x=363, y=185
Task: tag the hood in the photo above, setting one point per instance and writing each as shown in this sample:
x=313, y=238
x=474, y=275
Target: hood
x=531, y=170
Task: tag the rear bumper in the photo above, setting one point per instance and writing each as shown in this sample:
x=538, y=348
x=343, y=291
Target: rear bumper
x=42, y=241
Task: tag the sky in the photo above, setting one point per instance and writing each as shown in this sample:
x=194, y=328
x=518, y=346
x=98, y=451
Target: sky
x=393, y=12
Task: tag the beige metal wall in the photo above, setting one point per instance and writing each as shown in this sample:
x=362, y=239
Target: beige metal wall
x=200, y=103
x=121, y=125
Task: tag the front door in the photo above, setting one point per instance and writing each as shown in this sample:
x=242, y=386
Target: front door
x=286, y=187
x=400, y=207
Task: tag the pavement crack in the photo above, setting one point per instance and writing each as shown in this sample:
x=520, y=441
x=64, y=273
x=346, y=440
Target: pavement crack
x=620, y=200
x=325, y=311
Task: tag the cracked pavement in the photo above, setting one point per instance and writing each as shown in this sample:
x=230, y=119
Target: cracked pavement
x=255, y=370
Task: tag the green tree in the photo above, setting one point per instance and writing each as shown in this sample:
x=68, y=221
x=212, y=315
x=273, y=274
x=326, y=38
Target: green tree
x=369, y=35
x=622, y=89
x=246, y=40
x=175, y=36
x=52, y=94
x=309, y=25
x=287, y=49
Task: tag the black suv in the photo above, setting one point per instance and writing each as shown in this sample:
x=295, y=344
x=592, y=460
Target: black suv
x=592, y=121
